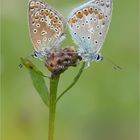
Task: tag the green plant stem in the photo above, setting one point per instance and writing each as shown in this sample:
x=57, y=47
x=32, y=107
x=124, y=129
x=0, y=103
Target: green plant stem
x=52, y=106
x=73, y=82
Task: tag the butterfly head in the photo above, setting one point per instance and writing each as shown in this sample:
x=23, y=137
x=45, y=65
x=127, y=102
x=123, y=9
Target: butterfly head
x=89, y=56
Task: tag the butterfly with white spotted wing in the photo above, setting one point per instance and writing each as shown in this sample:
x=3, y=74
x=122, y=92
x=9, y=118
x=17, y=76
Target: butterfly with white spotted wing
x=88, y=25
x=46, y=27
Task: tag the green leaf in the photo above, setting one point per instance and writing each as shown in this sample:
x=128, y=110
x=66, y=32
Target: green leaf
x=37, y=79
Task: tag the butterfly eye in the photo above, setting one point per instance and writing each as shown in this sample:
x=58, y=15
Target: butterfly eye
x=98, y=57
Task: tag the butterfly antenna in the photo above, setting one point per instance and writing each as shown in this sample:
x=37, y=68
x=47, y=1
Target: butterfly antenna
x=115, y=66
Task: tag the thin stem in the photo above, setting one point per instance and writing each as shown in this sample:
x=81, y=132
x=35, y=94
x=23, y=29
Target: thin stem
x=73, y=83
x=52, y=106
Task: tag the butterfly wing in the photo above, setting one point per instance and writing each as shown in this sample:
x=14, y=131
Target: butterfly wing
x=46, y=25
x=89, y=25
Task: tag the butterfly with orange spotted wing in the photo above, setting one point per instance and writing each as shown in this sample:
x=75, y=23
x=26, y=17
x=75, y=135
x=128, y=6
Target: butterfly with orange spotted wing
x=88, y=25
x=46, y=27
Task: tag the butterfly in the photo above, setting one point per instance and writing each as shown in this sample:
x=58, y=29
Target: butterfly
x=88, y=25
x=46, y=27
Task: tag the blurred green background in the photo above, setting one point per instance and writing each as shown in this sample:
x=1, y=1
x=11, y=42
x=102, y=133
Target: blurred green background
x=104, y=103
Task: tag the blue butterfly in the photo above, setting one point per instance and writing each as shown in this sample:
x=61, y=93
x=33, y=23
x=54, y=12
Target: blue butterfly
x=88, y=25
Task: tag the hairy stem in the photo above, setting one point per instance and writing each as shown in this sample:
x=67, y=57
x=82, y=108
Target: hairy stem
x=52, y=106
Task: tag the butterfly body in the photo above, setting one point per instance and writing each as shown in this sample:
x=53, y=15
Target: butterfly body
x=89, y=25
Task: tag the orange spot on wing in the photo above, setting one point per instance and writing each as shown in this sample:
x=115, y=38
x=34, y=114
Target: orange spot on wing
x=90, y=10
x=79, y=14
x=55, y=20
x=37, y=17
x=73, y=20
x=33, y=7
x=85, y=12
x=51, y=16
